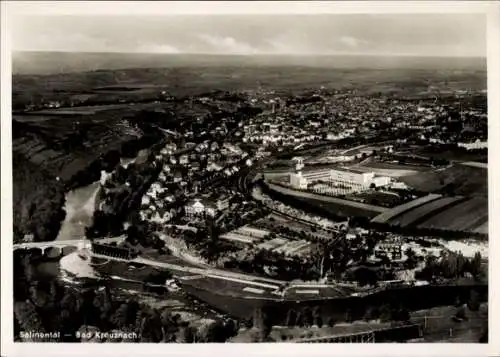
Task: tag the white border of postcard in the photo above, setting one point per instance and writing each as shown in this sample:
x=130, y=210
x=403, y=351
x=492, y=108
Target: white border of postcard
x=10, y=10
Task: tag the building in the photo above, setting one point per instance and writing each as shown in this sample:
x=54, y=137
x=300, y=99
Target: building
x=298, y=181
x=200, y=208
x=478, y=144
x=318, y=175
x=392, y=249
x=222, y=203
x=250, y=129
x=183, y=159
x=356, y=179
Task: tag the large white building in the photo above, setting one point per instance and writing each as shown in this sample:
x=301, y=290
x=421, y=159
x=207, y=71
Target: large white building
x=338, y=181
x=298, y=181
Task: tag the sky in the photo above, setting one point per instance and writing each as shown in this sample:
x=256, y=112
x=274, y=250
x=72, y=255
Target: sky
x=310, y=34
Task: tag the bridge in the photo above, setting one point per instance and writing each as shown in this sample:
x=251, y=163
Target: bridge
x=394, y=334
x=60, y=245
x=362, y=337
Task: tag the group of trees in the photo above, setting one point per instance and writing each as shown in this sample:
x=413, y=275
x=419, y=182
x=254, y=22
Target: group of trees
x=307, y=317
x=43, y=305
x=38, y=201
x=422, y=232
x=451, y=266
x=143, y=234
x=121, y=194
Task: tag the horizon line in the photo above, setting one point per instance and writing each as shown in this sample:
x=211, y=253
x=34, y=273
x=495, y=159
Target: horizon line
x=358, y=54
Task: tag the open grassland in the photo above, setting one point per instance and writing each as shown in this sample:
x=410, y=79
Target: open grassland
x=414, y=215
x=458, y=179
x=466, y=216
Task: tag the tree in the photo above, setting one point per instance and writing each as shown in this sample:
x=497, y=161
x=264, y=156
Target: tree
x=169, y=326
x=365, y=276
x=215, y=332
x=411, y=260
x=188, y=334
x=475, y=264
x=385, y=312
x=291, y=318
x=473, y=302
x=460, y=314
x=307, y=317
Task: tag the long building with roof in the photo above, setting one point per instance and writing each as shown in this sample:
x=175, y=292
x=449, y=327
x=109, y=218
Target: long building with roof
x=345, y=179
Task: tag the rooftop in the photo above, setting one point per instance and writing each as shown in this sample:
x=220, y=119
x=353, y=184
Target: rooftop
x=351, y=170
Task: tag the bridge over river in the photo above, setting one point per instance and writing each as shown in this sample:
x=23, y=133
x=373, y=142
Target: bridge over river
x=60, y=245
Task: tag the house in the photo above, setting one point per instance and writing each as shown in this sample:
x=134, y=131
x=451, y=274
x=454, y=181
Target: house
x=200, y=207
x=177, y=177
x=214, y=146
x=222, y=203
x=183, y=159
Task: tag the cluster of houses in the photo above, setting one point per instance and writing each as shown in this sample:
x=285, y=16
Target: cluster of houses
x=183, y=175
x=261, y=239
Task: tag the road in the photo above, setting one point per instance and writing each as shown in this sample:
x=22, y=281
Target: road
x=198, y=271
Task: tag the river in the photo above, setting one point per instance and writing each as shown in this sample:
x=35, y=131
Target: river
x=80, y=206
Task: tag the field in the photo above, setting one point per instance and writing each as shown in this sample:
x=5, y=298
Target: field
x=72, y=147
x=467, y=216
x=457, y=179
x=389, y=169
x=439, y=326
x=378, y=198
x=388, y=215
x=430, y=151
x=483, y=228
x=419, y=213
x=48, y=73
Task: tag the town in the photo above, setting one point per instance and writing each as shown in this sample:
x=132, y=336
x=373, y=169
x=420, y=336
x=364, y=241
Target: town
x=308, y=179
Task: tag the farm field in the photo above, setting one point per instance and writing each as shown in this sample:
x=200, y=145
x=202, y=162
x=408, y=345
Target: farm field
x=394, y=166
x=452, y=155
x=482, y=228
x=395, y=212
x=419, y=213
x=466, y=216
x=93, y=109
x=460, y=179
